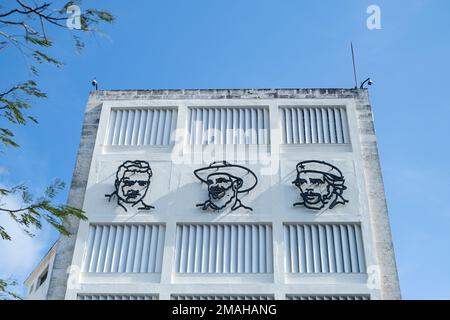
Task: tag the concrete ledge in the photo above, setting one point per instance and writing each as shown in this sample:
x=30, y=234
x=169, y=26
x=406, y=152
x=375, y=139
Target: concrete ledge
x=226, y=94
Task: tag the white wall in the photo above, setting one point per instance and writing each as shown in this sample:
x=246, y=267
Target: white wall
x=174, y=191
x=36, y=291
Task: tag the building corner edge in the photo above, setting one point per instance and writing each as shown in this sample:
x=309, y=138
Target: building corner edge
x=384, y=248
x=66, y=244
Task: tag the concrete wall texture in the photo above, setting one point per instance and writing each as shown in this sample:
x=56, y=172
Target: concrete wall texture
x=180, y=234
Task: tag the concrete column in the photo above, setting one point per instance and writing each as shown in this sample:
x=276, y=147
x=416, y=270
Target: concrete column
x=65, y=245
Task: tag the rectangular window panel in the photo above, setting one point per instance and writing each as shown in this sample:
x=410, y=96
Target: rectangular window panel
x=42, y=278
x=327, y=297
x=117, y=297
x=303, y=125
x=249, y=125
x=141, y=127
x=324, y=248
x=220, y=297
x=224, y=248
x=124, y=248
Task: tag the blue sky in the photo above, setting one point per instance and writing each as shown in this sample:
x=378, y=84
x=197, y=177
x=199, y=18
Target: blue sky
x=265, y=44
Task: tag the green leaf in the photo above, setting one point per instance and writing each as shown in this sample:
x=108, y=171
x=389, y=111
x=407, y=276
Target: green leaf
x=79, y=44
x=4, y=234
x=33, y=119
x=27, y=198
x=34, y=70
x=30, y=87
x=5, y=290
x=42, y=57
x=6, y=132
x=42, y=41
x=5, y=138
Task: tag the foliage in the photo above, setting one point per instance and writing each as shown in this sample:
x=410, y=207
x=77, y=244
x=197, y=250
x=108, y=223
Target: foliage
x=25, y=26
x=35, y=211
x=5, y=290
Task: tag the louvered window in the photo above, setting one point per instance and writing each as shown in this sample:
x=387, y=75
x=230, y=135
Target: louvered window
x=116, y=297
x=327, y=297
x=301, y=125
x=248, y=125
x=141, y=127
x=220, y=297
x=319, y=248
x=124, y=248
x=224, y=248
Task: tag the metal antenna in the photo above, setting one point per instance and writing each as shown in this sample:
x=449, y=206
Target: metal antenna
x=354, y=66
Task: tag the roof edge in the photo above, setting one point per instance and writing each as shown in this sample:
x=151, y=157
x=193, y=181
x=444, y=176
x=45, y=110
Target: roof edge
x=280, y=93
x=41, y=262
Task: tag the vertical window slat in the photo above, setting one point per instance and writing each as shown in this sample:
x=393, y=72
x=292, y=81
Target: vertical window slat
x=141, y=127
x=229, y=248
x=307, y=124
x=248, y=125
x=323, y=248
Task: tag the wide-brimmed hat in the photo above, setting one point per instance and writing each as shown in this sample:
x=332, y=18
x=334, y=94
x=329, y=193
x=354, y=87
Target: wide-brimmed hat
x=320, y=167
x=249, y=179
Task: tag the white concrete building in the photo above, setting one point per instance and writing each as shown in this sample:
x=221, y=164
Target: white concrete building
x=38, y=281
x=227, y=194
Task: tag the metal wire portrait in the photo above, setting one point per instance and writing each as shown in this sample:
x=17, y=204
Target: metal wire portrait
x=320, y=183
x=131, y=184
x=225, y=184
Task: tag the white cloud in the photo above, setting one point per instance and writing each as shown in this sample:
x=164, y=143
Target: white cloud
x=3, y=171
x=19, y=256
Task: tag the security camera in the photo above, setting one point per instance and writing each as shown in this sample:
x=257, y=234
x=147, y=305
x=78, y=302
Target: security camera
x=368, y=81
x=95, y=84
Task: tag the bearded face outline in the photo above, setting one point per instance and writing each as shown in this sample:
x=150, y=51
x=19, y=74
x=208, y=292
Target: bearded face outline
x=225, y=183
x=321, y=184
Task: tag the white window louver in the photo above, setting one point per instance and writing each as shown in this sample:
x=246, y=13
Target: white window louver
x=224, y=248
x=116, y=297
x=302, y=125
x=124, y=248
x=323, y=248
x=220, y=297
x=249, y=125
x=327, y=297
x=141, y=127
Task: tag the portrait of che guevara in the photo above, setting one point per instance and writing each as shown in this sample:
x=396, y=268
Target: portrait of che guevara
x=321, y=185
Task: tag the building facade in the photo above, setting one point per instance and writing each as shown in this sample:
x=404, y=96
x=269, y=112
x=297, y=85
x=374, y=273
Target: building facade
x=227, y=194
x=38, y=281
